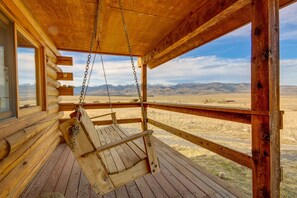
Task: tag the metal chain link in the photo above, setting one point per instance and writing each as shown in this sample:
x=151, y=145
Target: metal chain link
x=82, y=92
x=75, y=128
x=133, y=65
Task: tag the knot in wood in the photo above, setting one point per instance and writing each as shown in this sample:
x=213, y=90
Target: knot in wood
x=257, y=31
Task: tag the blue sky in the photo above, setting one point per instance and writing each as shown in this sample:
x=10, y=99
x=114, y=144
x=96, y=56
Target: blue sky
x=226, y=59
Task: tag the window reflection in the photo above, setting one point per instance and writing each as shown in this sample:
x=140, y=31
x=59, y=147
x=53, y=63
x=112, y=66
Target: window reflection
x=27, y=81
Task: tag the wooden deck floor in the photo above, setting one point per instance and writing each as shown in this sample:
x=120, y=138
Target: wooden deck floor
x=179, y=177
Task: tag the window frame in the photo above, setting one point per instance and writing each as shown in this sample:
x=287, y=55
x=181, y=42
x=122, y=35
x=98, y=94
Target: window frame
x=38, y=70
x=11, y=62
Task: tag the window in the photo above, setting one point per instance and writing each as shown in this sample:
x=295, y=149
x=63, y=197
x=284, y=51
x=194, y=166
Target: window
x=7, y=71
x=20, y=73
x=28, y=83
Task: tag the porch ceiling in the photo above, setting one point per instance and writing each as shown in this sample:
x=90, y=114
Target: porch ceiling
x=159, y=30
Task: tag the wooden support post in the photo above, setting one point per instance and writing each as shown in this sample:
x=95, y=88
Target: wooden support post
x=148, y=139
x=265, y=97
x=275, y=119
x=144, y=94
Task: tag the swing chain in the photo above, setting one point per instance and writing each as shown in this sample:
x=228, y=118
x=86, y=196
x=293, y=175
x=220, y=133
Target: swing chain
x=74, y=131
x=82, y=92
x=133, y=65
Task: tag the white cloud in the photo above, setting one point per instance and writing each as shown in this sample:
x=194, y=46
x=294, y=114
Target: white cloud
x=26, y=68
x=201, y=69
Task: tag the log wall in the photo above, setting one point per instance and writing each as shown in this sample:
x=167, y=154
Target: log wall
x=27, y=141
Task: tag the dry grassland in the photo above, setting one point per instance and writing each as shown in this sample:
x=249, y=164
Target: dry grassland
x=231, y=134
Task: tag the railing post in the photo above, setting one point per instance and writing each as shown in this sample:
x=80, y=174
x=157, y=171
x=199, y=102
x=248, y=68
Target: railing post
x=148, y=139
x=265, y=98
x=144, y=93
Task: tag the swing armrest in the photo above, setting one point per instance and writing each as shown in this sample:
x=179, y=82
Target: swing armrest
x=118, y=142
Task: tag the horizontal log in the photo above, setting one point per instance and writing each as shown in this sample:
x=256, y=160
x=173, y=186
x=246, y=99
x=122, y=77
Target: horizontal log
x=51, y=64
x=71, y=106
x=66, y=91
x=11, y=143
x=18, y=139
x=117, y=143
x=65, y=76
x=53, y=100
x=24, y=183
x=23, y=169
x=9, y=163
x=50, y=55
x=50, y=72
x=230, y=114
x=52, y=91
x=4, y=148
x=64, y=60
x=53, y=83
x=223, y=151
x=53, y=108
x=13, y=125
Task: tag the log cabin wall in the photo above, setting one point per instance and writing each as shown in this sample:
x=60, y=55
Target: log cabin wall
x=27, y=140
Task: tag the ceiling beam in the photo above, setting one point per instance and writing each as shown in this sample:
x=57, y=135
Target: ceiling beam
x=201, y=27
x=207, y=15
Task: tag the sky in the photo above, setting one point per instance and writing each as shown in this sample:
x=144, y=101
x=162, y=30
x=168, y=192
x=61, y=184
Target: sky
x=227, y=60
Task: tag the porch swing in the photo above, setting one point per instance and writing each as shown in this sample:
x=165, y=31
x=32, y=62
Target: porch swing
x=109, y=156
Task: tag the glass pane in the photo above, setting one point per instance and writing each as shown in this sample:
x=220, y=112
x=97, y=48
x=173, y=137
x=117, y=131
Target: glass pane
x=6, y=65
x=26, y=72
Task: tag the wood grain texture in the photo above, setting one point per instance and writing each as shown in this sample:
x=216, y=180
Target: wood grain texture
x=265, y=57
x=230, y=114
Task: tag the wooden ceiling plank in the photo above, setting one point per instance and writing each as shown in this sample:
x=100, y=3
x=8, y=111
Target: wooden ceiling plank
x=207, y=15
x=222, y=27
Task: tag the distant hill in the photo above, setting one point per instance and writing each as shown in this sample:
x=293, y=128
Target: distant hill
x=181, y=89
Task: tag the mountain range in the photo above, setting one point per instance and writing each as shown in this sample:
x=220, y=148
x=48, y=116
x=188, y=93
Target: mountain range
x=180, y=89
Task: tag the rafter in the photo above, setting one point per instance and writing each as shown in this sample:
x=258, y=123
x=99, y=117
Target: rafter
x=182, y=39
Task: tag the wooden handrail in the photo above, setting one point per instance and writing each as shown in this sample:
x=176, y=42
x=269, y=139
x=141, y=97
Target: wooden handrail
x=240, y=158
x=230, y=114
x=118, y=142
x=223, y=113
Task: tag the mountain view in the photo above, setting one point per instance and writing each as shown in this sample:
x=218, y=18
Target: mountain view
x=180, y=89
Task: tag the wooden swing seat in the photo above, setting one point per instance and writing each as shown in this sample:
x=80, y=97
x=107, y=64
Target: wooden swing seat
x=109, y=156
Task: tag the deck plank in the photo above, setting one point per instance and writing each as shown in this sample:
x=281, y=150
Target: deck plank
x=145, y=190
x=72, y=187
x=65, y=174
x=197, y=181
x=198, y=173
x=155, y=186
x=179, y=177
x=133, y=190
x=179, y=186
x=41, y=180
x=53, y=178
x=121, y=192
x=83, y=188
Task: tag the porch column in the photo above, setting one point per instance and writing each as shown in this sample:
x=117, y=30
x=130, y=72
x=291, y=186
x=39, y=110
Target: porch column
x=265, y=98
